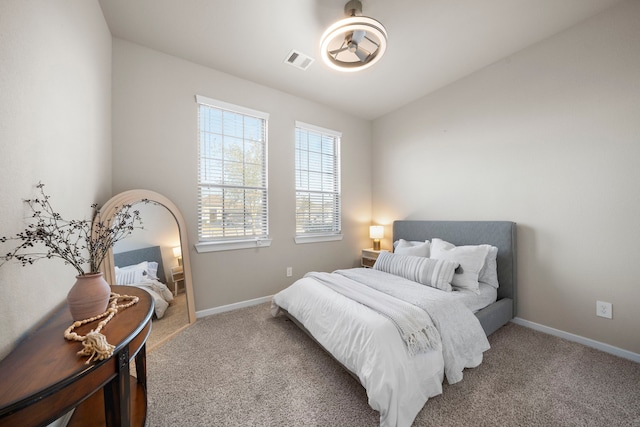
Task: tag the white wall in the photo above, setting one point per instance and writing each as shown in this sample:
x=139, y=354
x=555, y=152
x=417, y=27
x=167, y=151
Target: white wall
x=155, y=147
x=55, y=127
x=549, y=138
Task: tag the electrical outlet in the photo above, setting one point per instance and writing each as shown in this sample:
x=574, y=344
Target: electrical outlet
x=289, y=271
x=604, y=309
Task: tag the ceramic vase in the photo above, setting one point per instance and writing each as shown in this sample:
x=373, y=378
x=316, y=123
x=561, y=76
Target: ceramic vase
x=89, y=296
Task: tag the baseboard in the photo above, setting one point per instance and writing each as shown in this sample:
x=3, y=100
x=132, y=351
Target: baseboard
x=242, y=304
x=626, y=354
x=63, y=421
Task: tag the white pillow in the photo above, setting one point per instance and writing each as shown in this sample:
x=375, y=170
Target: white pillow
x=152, y=270
x=415, y=248
x=470, y=258
x=131, y=273
x=489, y=272
x=436, y=273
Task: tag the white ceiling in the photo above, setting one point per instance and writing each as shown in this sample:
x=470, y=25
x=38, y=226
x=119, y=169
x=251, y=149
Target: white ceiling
x=431, y=42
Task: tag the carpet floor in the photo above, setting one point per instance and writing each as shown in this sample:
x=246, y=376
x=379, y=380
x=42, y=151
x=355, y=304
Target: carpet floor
x=175, y=317
x=246, y=368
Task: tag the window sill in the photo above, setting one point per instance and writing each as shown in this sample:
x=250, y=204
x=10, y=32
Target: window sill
x=317, y=238
x=231, y=245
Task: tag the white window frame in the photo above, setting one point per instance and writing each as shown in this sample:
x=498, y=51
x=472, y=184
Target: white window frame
x=325, y=236
x=231, y=243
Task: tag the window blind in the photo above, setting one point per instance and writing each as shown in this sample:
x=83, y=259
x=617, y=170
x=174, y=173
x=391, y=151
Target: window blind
x=232, y=172
x=318, y=203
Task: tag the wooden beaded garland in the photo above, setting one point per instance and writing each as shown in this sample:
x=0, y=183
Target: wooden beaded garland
x=95, y=344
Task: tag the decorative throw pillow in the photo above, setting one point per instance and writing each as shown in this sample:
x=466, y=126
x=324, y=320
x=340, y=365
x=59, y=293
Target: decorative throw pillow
x=415, y=248
x=431, y=272
x=470, y=258
x=489, y=272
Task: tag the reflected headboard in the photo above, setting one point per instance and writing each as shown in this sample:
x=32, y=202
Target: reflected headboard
x=501, y=234
x=137, y=256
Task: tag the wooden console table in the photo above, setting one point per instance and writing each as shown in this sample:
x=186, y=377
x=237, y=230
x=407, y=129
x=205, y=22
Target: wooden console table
x=43, y=378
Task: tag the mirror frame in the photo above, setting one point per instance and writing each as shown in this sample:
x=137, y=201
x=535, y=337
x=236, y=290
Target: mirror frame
x=131, y=197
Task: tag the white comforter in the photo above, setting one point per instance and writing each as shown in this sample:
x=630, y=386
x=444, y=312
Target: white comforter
x=368, y=344
x=161, y=294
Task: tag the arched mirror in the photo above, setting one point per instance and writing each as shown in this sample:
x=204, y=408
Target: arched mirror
x=162, y=241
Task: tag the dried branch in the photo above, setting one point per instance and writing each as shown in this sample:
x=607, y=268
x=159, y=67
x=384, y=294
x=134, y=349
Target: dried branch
x=77, y=242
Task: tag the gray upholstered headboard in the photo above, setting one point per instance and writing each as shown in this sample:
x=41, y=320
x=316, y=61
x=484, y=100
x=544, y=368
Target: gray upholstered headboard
x=501, y=234
x=136, y=256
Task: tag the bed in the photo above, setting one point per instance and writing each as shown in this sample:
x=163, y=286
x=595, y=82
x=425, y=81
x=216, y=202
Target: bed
x=368, y=339
x=144, y=269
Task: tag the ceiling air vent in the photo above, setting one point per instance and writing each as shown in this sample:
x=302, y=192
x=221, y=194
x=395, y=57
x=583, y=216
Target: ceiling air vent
x=299, y=60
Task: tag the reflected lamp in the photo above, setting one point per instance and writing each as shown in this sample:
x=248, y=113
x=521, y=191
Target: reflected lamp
x=177, y=253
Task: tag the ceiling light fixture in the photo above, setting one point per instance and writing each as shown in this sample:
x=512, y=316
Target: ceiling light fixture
x=353, y=43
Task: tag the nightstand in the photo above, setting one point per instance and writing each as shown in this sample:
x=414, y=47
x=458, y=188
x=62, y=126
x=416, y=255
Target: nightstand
x=177, y=275
x=369, y=257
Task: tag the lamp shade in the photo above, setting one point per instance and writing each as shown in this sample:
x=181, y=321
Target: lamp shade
x=376, y=231
x=177, y=252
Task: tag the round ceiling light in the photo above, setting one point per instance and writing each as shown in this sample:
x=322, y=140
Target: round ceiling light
x=353, y=43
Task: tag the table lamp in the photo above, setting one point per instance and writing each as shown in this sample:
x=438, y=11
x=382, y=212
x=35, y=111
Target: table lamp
x=177, y=253
x=376, y=232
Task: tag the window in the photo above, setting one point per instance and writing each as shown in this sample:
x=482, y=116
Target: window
x=318, y=209
x=232, y=176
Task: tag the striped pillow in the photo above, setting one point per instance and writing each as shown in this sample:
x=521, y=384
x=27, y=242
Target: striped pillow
x=436, y=273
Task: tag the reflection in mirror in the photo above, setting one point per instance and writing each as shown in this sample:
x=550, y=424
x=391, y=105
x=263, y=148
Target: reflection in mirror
x=155, y=258
x=150, y=251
